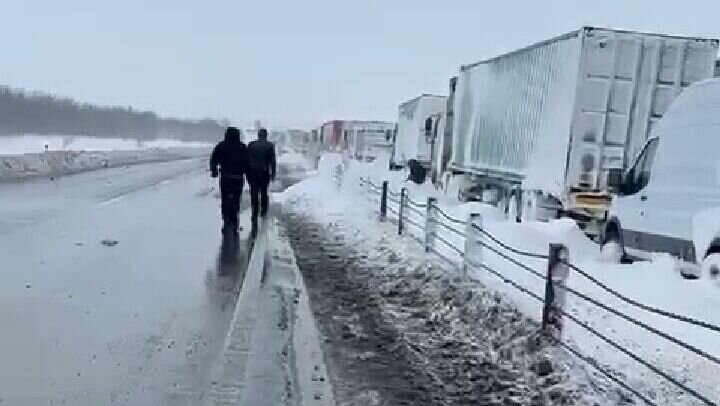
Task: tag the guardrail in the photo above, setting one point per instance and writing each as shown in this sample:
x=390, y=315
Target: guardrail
x=477, y=239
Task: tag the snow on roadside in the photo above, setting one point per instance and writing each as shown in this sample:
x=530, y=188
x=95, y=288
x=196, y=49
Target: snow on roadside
x=655, y=283
x=59, y=163
x=472, y=342
x=30, y=143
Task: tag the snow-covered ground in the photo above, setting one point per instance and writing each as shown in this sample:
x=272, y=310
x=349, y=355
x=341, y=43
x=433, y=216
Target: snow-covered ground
x=24, y=157
x=655, y=283
x=60, y=163
x=27, y=144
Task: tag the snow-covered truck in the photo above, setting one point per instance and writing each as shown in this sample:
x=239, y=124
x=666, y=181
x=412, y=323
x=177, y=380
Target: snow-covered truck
x=413, y=139
x=331, y=135
x=337, y=135
x=537, y=130
x=369, y=140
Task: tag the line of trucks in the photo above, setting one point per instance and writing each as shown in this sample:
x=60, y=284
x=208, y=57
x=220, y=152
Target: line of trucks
x=618, y=130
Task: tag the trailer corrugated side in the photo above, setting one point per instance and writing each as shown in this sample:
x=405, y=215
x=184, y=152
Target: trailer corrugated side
x=559, y=114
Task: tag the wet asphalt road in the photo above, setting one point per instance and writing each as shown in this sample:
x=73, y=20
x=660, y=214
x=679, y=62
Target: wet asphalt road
x=141, y=322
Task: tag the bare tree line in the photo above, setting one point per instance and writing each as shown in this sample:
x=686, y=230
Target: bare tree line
x=23, y=112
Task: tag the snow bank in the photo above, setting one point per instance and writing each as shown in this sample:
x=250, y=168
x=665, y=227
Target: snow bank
x=59, y=163
x=654, y=283
x=27, y=144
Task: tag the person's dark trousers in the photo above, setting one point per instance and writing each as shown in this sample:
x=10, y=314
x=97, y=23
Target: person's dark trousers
x=230, y=193
x=259, y=196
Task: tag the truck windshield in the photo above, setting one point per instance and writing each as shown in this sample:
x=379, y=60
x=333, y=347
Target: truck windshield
x=639, y=176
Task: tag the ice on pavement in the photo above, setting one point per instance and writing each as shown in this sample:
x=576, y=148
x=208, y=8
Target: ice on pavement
x=655, y=283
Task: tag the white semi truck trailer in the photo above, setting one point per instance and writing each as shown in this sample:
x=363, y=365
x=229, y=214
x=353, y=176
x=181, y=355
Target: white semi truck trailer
x=413, y=138
x=370, y=140
x=537, y=130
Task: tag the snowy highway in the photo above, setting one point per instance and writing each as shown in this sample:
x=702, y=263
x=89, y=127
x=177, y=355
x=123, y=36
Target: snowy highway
x=115, y=286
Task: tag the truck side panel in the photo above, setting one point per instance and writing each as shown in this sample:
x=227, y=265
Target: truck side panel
x=512, y=106
x=627, y=82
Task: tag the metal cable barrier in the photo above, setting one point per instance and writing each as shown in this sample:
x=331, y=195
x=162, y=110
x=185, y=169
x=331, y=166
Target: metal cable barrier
x=410, y=221
x=449, y=217
x=416, y=211
x=590, y=361
x=435, y=216
x=449, y=228
x=618, y=313
x=509, y=248
x=449, y=244
x=607, y=308
x=416, y=204
x=642, y=306
x=595, y=281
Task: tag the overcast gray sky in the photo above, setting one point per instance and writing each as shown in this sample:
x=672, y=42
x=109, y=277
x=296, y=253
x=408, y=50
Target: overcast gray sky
x=291, y=62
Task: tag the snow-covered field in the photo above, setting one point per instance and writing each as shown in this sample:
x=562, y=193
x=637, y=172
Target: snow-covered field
x=655, y=283
x=25, y=157
x=28, y=144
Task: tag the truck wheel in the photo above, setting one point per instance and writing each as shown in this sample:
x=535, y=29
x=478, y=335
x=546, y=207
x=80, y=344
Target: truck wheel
x=710, y=269
x=612, y=249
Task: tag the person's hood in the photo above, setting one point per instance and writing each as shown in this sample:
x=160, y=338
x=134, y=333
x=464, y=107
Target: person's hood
x=232, y=138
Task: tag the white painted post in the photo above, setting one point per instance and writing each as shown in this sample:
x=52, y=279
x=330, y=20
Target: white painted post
x=472, y=255
x=430, y=223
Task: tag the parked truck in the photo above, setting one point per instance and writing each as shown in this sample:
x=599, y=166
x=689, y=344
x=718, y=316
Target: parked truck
x=413, y=138
x=537, y=130
x=370, y=140
x=337, y=135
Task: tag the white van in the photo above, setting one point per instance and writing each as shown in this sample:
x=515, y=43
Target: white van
x=669, y=198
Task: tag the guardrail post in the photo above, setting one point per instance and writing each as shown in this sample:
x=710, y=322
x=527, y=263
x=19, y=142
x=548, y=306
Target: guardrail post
x=430, y=220
x=557, y=273
x=401, y=209
x=383, y=201
x=472, y=255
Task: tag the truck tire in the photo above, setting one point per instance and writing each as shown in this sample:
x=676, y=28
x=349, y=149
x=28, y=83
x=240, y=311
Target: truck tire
x=710, y=269
x=612, y=249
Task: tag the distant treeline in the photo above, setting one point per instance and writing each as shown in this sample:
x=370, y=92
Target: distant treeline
x=23, y=112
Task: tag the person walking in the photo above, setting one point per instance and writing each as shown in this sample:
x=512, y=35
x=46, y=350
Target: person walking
x=231, y=155
x=260, y=171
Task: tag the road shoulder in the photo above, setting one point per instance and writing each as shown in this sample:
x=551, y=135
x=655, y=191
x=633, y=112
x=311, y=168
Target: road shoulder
x=272, y=354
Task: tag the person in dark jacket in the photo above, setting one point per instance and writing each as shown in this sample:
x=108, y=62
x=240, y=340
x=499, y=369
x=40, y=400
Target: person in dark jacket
x=260, y=171
x=231, y=155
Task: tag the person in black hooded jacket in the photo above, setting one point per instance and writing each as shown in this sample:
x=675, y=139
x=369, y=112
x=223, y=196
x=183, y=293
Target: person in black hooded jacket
x=231, y=156
x=260, y=171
